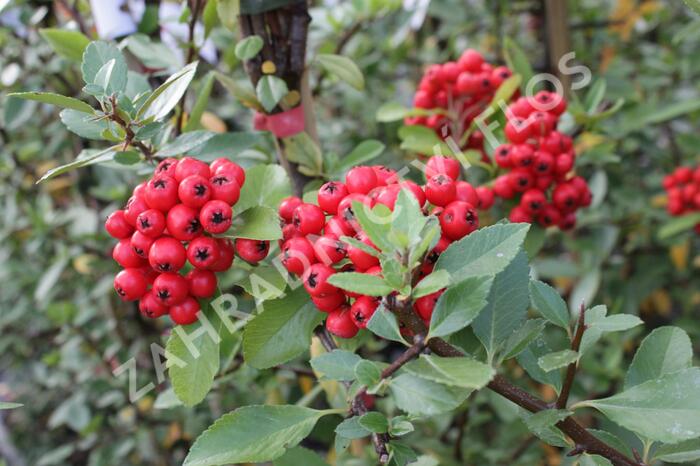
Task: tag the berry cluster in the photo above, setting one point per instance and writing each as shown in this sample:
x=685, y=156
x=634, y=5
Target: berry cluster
x=461, y=88
x=312, y=247
x=168, y=221
x=683, y=188
x=539, y=162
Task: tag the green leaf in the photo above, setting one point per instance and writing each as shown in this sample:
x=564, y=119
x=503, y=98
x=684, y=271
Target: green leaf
x=400, y=425
x=384, y=324
x=281, y=331
x=376, y=223
x=456, y=372
x=617, y=323
x=434, y=282
x=459, y=305
x=83, y=124
x=517, y=60
x=264, y=282
x=485, y=252
x=68, y=44
x=679, y=453
x=663, y=351
x=362, y=153
x=229, y=144
x=266, y=185
x=96, y=56
x=374, y=422
x=150, y=53
x=666, y=409
x=232, y=440
x=210, y=17
x=547, y=301
x=195, y=118
x=423, y=140
x=393, y=111
x=593, y=460
x=248, y=47
x=352, y=429
x=678, y=225
x=364, y=283
x=111, y=77
x=528, y=359
x=243, y=92
x=55, y=99
x=7, y=405
x=270, y=90
x=256, y=223
x=408, y=221
x=557, y=360
x=522, y=337
x=129, y=157
x=302, y=150
x=192, y=380
x=85, y=158
x=542, y=424
x=167, y=95
x=693, y=4
x=343, y=68
x=228, y=11
x=416, y=395
x=298, y=455
x=367, y=373
x=336, y=365
x=184, y=143
x=507, y=306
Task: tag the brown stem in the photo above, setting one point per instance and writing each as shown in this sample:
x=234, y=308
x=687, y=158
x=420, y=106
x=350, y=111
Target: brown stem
x=571, y=370
x=191, y=53
x=130, y=135
x=75, y=14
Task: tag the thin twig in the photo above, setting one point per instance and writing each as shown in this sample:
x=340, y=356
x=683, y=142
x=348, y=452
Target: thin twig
x=191, y=53
x=75, y=15
x=130, y=135
x=571, y=370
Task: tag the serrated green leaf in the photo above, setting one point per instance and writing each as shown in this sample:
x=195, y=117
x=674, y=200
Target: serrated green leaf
x=456, y=372
x=522, y=337
x=542, y=424
x=7, y=405
x=302, y=150
x=83, y=124
x=98, y=54
x=517, y=61
x=549, y=304
x=528, y=360
x=679, y=453
x=557, y=360
x=663, y=351
x=352, y=429
x=364, y=283
x=127, y=157
x=367, y=373
x=384, y=324
x=343, y=68
x=336, y=365
x=434, y=282
x=416, y=395
x=459, y=305
x=55, y=99
x=376, y=223
x=374, y=422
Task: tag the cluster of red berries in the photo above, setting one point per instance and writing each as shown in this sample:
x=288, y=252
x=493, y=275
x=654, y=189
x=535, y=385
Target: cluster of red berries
x=168, y=221
x=462, y=88
x=312, y=245
x=539, y=162
x=683, y=188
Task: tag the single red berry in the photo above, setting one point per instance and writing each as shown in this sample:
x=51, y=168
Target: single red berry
x=440, y=165
x=425, y=305
x=167, y=255
x=541, y=123
x=287, y=207
x=549, y=216
x=345, y=208
x=330, y=195
x=188, y=166
x=117, y=225
x=203, y=252
x=414, y=189
x=361, y=180
x=386, y=195
x=568, y=221
x=185, y=313
x=224, y=187
x=544, y=163
x=202, y=283
x=161, y=193
x=471, y=60
x=329, y=250
x=329, y=302
x=486, y=197
x=423, y=99
x=151, y=223
x=130, y=284
x=502, y=187
x=339, y=322
x=297, y=255
x=361, y=259
x=183, y=222
x=458, y=220
x=134, y=207
x=385, y=175
x=563, y=164
x=166, y=167
x=215, y=217
x=533, y=200
x=225, y=166
x=363, y=309
x=337, y=227
x=467, y=83
x=309, y=219
x=141, y=244
x=316, y=280
x=289, y=231
x=522, y=156
x=170, y=288
x=565, y=197
x=517, y=131
x=521, y=180
x=226, y=255
x=502, y=155
x=440, y=190
x=466, y=192
x=194, y=191
x=519, y=215
x=252, y=250
x=442, y=244
x=151, y=307
x=125, y=255
x=543, y=182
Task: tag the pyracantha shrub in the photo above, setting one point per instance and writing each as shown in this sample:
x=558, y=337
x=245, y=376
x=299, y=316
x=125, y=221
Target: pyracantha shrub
x=683, y=189
x=166, y=244
x=539, y=163
x=321, y=240
x=458, y=92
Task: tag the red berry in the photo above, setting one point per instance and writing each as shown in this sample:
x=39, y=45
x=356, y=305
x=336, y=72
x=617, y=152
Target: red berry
x=517, y=131
x=125, y=255
x=130, y=284
x=161, y=193
x=339, y=322
x=361, y=180
x=224, y=187
x=167, y=255
x=425, y=305
x=565, y=197
x=183, y=222
x=533, y=201
x=440, y=190
x=316, y=280
x=329, y=302
x=439, y=164
x=414, y=189
x=215, y=217
x=544, y=163
x=188, y=166
x=202, y=283
x=166, y=167
x=203, y=252
x=549, y=216
x=222, y=165
x=337, y=227
x=387, y=195
x=541, y=123
x=522, y=156
x=141, y=244
x=442, y=244
x=471, y=60
x=151, y=223
x=362, y=310
x=486, y=197
x=329, y=250
x=520, y=180
x=134, y=207
x=520, y=215
x=502, y=187
x=287, y=207
x=361, y=259
x=226, y=255
x=289, y=231
x=170, y=288
x=151, y=307
x=563, y=164
x=194, y=191
x=330, y=195
x=185, y=313
x=252, y=250
x=297, y=255
x=345, y=208
x=466, y=192
x=423, y=99
x=502, y=155
x=467, y=83
x=309, y=219
x=385, y=175
x=458, y=220
x=117, y=225
x=568, y=221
